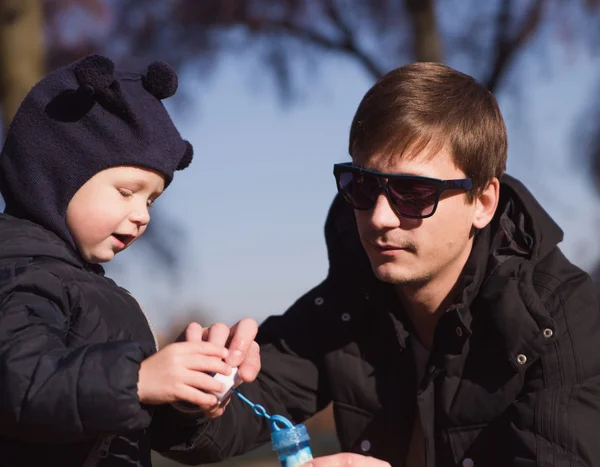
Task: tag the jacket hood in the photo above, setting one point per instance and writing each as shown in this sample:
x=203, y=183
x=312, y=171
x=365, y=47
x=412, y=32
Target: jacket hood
x=20, y=238
x=524, y=221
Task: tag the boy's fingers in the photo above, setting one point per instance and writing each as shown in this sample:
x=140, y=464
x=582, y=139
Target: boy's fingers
x=203, y=382
x=203, y=348
x=192, y=395
x=242, y=336
x=207, y=364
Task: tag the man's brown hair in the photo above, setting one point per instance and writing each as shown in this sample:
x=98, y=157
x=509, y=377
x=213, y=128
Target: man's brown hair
x=431, y=105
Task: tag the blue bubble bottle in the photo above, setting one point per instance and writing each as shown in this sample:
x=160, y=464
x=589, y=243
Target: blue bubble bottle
x=291, y=445
x=289, y=441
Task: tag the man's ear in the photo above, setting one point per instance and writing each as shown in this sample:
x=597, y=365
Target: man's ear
x=486, y=203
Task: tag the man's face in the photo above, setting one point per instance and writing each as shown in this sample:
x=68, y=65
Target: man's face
x=110, y=211
x=413, y=252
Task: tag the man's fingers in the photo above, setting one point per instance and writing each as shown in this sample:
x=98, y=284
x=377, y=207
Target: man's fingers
x=242, y=336
x=215, y=412
x=346, y=459
x=193, y=333
x=250, y=367
x=217, y=334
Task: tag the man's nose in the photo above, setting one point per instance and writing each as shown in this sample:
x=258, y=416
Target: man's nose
x=382, y=214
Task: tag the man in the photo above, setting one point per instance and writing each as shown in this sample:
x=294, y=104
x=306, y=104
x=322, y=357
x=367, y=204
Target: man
x=450, y=330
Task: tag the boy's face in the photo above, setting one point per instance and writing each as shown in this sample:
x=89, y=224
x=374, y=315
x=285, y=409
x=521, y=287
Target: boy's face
x=110, y=211
x=414, y=252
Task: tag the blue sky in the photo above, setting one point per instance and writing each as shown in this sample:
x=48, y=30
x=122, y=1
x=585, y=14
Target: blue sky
x=253, y=202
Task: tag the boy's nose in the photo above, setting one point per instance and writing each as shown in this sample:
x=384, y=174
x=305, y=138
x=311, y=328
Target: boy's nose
x=140, y=216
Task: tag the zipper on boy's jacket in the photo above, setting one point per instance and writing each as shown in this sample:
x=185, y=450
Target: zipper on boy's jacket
x=102, y=446
x=99, y=451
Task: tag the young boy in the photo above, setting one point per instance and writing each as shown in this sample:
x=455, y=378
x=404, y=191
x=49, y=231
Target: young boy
x=87, y=153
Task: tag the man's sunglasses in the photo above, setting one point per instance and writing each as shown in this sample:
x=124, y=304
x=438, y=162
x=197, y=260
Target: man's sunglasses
x=409, y=196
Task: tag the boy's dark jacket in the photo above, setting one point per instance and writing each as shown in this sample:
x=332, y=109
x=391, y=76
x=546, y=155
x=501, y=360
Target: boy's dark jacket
x=513, y=380
x=71, y=343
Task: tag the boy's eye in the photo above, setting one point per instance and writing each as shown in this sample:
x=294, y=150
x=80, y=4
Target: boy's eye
x=125, y=192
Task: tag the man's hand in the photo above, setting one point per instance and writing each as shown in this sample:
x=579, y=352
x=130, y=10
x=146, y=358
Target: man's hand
x=243, y=351
x=346, y=459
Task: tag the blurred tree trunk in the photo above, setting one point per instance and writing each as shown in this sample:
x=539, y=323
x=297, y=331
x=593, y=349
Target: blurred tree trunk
x=21, y=52
x=427, y=40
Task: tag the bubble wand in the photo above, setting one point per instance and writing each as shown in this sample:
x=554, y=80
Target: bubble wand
x=288, y=440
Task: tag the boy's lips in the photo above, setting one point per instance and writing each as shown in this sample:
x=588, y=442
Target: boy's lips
x=123, y=239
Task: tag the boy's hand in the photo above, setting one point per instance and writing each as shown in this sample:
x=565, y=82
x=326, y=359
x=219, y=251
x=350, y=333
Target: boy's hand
x=179, y=373
x=244, y=352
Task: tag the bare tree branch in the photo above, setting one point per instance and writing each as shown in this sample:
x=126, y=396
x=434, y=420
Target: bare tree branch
x=427, y=42
x=505, y=45
x=347, y=44
x=350, y=44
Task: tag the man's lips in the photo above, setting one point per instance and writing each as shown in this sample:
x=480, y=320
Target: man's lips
x=389, y=250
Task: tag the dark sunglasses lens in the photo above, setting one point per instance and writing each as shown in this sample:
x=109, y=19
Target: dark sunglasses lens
x=359, y=190
x=413, y=198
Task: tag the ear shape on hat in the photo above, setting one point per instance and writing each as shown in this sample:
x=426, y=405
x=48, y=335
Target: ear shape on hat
x=94, y=73
x=187, y=157
x=160, y=80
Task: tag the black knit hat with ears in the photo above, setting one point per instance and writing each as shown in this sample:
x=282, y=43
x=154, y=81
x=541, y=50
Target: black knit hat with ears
x=80, y=120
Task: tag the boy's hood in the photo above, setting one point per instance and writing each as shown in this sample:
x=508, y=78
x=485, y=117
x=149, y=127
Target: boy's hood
x=20, y=238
